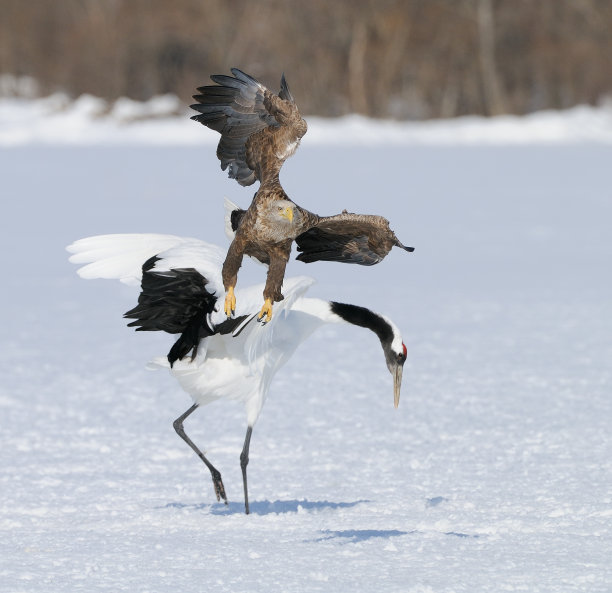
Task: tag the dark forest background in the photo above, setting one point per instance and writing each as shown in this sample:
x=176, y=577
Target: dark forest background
x=406, y=59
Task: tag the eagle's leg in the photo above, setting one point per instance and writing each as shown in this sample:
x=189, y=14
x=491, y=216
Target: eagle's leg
x=266, y=311
x=214, y=472
x=274, y=281
x=229, y=273
x=230, y=302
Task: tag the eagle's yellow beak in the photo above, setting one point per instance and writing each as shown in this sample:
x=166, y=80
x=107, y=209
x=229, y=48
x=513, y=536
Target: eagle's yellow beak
x=287, y=213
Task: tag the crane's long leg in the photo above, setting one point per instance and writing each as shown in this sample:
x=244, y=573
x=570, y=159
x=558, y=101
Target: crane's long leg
x=244, y=461
x=216, y=476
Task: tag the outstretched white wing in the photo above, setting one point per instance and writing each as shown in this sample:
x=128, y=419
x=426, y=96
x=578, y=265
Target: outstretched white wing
x=121, y=256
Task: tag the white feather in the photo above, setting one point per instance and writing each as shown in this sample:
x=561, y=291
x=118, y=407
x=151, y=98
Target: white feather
x=121, y=256
x=261, y=342
x=229, y=207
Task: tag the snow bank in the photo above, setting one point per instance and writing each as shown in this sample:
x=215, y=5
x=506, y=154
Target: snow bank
x=165, y=121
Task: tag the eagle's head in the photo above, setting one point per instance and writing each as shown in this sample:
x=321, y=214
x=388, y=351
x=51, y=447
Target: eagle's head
x=282, y=214
x=280, y=219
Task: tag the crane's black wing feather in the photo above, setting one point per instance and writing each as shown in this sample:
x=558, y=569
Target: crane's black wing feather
x=176, y=302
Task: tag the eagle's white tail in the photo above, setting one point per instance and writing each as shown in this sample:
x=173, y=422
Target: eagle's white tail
x=229, y=207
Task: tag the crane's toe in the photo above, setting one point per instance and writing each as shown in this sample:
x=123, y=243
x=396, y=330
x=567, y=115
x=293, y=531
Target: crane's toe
x=219, y=487
x=265, y=315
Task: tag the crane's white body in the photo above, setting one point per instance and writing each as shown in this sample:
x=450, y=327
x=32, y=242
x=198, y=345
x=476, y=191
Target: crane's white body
x=231, y=368
x=237, y=366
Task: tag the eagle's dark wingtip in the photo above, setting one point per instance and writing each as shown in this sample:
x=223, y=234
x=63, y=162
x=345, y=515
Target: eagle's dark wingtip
x=239, y=73
x=398, y=243
x=284, y=92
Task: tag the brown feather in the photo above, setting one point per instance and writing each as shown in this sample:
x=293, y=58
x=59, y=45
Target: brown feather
x=362, y=239
x=265, y=128
x=259, y=131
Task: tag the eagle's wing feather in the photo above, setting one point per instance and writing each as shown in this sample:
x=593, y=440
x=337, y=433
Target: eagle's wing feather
x=349, y=238
x=243, y=111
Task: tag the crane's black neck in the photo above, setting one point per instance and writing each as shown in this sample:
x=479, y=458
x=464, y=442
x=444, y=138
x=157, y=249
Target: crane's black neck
x=364, y=318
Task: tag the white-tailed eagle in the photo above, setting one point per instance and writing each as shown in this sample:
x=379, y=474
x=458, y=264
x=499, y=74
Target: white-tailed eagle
x=259, y=131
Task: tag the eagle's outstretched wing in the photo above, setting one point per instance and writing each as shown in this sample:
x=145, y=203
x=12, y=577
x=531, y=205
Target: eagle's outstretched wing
x=362, y=239
x=349, y=238
x=259, y=129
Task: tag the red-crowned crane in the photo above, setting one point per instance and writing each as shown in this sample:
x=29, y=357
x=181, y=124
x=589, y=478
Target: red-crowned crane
x=215, y=357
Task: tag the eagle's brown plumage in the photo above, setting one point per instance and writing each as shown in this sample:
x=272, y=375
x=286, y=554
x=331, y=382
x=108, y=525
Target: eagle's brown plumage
x=259, y=131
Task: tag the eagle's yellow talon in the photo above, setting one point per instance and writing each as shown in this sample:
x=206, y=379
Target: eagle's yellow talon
x=265, y=310
x=230, y=302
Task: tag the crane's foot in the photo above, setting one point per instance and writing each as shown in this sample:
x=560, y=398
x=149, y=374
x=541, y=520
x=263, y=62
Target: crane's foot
x=230, y=302
x=265, y=315
x=218, y=485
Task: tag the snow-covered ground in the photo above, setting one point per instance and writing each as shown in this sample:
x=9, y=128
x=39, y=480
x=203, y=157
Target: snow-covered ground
x=495, y=473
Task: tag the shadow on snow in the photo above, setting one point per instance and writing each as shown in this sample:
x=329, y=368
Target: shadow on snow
x=360, y=535
x=265, y=507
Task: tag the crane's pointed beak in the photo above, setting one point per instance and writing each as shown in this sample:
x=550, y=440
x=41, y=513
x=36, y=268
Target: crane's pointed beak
x=397, y=384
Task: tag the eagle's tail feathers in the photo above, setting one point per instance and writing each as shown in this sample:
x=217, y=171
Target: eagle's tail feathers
x=231, y=222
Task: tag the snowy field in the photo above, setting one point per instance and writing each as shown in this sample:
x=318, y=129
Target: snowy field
x=495, y=473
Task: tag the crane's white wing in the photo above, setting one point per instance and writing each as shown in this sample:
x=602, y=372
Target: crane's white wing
x=262, y=338
x=121, y=256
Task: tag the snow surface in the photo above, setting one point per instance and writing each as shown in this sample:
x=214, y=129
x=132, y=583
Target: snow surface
x=495, y=473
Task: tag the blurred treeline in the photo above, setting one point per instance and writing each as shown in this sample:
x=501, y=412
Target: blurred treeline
x=383, y=58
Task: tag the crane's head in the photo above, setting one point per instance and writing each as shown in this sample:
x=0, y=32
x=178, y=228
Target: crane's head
x=395, y=356
x=388, y=334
